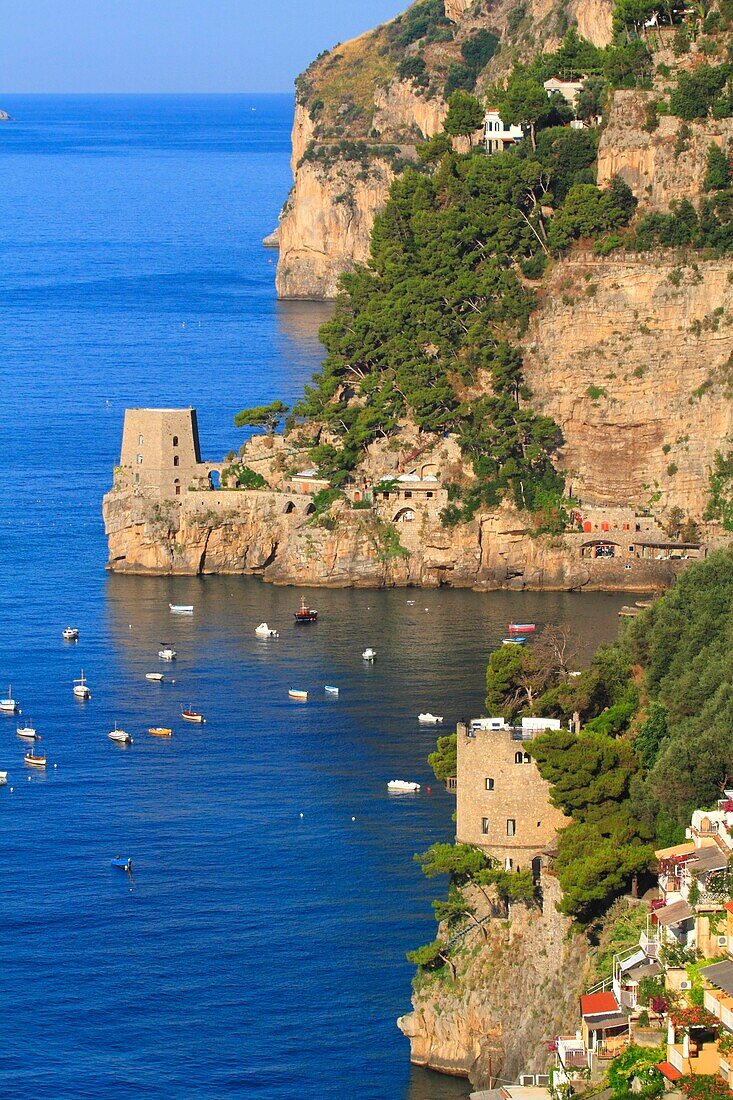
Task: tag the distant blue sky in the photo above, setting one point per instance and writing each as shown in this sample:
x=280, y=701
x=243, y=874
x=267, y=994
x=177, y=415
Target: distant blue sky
x=172, y=45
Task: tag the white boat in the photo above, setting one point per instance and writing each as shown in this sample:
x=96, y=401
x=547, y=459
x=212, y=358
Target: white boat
x=81, y=688
x=29, y=732
x=3, y=778
x=181, y=608
x=70, y=634
x=428, y=719
x=264, y=631
x=402, y=786
x=191, y=715
x=119, y=735
x=166, y=652
x=35, y=759
x=369, y=654
x=331, y=690
x=294, y=693
x=157, y=676
x=9, y=705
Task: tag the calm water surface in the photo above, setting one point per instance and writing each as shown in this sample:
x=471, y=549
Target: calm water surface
x=260, y=950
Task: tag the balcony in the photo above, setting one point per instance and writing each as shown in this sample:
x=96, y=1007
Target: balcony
x=703, y=1058
x=571, y=1052
x=649, y=943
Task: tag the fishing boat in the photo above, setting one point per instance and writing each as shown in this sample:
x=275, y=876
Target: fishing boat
x=81, y=688
x=35, y=759
x=181, y=608
x=120, y=735
x=28, y=732
x=294, y=693
x=305, y=614
x=516, y=640
x=123, y=864
x=166, y=652
x=402, y=786
x=428, y=719
x=522, y=628
x=192, y=715
x=70, y=634
x=264, y=631
x=330, y=690
x=3, y=778
x=369, y=654
x=156, y=676
x=9, y=705
x=160, y=731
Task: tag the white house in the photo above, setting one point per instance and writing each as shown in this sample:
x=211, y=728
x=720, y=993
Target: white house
x=498, y=136
x=568, y=89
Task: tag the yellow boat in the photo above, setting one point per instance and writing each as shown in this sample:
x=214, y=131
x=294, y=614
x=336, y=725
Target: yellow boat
x=160, y=731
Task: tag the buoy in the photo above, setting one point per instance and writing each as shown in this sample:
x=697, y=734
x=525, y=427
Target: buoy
x=11, y=790
x=428, y=789
x=55, y=765
x=353, y=819
x=301, y=815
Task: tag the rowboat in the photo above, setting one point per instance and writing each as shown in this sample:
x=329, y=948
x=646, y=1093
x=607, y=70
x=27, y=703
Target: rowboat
x=517, y=639
x=181, y=608
x=160, y=731
x=70, y=634
x=192, y=715
x=119, y=735
x=521, y=628
x=28, y=732
x=157, y=676
x=3, y=778
x=80, y=688
x=331, y=690
x=123, y=864
x=402, y=786
x=428, y=719
x=166, y=652
x=9, y=705
x=294, y=693
x=369, y=654
x=35, y=759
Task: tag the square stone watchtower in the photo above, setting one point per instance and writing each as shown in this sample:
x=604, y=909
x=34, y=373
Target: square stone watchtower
x=161, y=453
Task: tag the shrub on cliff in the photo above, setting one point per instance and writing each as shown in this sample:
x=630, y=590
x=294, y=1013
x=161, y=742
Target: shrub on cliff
x=589, y=211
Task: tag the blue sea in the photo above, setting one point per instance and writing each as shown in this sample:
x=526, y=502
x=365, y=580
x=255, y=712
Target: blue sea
x=259, y=949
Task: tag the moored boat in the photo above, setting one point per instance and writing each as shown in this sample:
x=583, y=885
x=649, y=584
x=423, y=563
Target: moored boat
x=181, y=608
x=166, y=652
x=516, y=640
x=70, y=634
x=192, y=715
x=81, y=688
x=428, y=719
x=3, y=778
x=156, y=676
x=295, y=693
x=160, y=731
x=124, y=863
x=369, y=654
x=28, y=732
x=522, y=628
x=120, y=735
x=305, y=614
x=402, y=786
x=9, y=705
x=35, y=759
x=264, y=631
x=627, y=612
x=330, y=690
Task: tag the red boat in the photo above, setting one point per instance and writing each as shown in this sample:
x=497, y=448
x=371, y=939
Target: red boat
x=305, y=614
x=521, y=628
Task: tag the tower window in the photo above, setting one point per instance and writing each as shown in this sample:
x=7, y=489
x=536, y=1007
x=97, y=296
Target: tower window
x=485, y=825
x=489, y=784
x=139, y=460
x=511, y=826
x=175, y=440
x=176, y=460
x=141, y=439
x=518, y=758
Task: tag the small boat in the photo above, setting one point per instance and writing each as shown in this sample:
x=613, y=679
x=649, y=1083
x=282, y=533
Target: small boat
x=120, y=735
x=264, y=631
x=81, y=688
x=29, y=732
x=166, y=652
x=305, y=614
x=35, y=759
x=428, y=719
x=369, y=654
x=301, y=695
x=70, y=634
x=516, y=640
x=192, y=715
x=522, y=628
x=402, y=786
x=181, y=608
x=3, y=778
x=123, y=864
x=331, y=690
x=9, y=705
x=156, y=676
x=160, y=731
x=625, y=613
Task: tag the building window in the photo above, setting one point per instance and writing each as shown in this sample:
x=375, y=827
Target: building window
x=385, y=496
x=141, y=440
x=408, y=494
x=429, y=495
x=139, y=460
x=517, y=758
x=511, y=826
x=489, y=784
x=485, y=825
x=137, y=479
x=176, y=460
x=526, y=759
x=175, y=440
x=177, y=486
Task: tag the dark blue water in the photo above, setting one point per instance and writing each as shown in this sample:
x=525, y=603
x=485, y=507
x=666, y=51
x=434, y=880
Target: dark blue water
x=259, y=952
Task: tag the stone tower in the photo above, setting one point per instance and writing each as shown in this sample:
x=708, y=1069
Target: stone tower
x=160, y=451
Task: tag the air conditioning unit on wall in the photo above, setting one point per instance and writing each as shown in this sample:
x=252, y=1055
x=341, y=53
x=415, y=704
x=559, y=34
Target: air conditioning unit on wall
x=685, y=985
x=722, y=941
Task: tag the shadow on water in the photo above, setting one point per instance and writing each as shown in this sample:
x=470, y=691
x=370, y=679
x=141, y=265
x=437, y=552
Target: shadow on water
x=425, y=1084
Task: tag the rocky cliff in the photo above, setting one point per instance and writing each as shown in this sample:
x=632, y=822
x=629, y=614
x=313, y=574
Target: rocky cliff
x=516, y=986
x=359, y=115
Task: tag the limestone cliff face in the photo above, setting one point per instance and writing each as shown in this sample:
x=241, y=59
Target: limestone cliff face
x=660, y=165
x=515, y=987
x=632, y=358
x=354, y=94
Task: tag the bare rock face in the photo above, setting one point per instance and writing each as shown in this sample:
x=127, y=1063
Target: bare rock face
x=632, y=357
x=660, y=165
x=514, y=988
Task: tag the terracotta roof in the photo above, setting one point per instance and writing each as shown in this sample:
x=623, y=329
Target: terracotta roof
x=668, y=1070
x=598, y=1004
x=729, y=906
